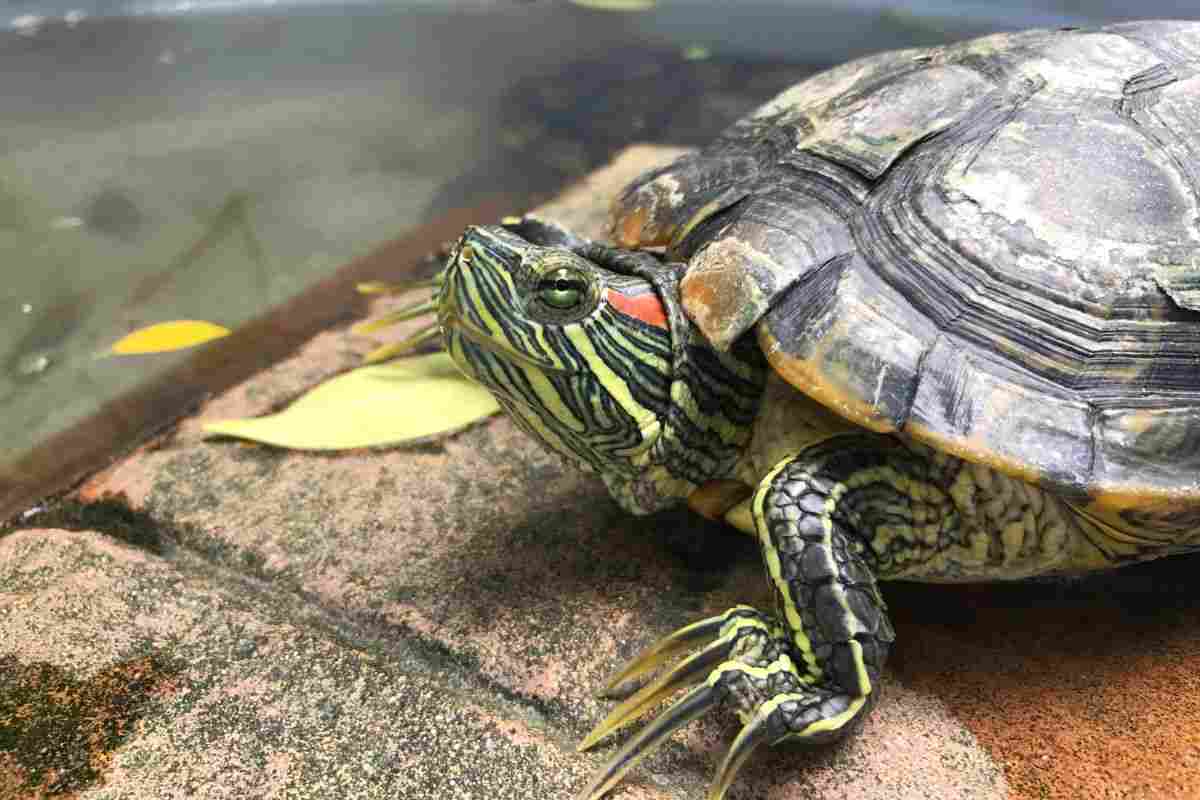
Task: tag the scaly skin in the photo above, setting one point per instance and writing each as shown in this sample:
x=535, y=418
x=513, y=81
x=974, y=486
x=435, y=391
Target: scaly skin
x=825, y=590
x=810, y=672
x=846, y=508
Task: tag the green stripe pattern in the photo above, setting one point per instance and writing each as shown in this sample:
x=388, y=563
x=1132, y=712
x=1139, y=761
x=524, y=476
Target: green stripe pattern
x=655, y=417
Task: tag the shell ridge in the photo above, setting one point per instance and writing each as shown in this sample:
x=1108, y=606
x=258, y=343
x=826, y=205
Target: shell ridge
x=1155, y=77
x=1080, y=328
x=1030, y=85
x=820, y=285
x=1165, y=139
x=1093, y=421
x=919, y=376
x=1167, y=48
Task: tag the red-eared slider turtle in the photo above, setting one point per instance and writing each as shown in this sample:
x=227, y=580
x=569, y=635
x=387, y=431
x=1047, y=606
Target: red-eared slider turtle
x=931, y=315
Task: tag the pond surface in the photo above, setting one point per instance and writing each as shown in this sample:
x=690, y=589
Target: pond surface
x=210, y=160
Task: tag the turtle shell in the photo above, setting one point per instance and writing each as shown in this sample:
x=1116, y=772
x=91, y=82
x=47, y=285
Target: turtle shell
x=992, y=247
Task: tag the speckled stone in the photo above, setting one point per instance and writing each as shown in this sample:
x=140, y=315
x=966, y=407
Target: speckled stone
x=130, y=676
x=1079, y=689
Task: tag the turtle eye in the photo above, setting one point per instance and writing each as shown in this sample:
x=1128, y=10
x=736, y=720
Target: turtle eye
x=562, y=289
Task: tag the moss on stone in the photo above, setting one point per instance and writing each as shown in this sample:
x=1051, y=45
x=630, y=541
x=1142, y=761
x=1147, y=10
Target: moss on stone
x=58, y=733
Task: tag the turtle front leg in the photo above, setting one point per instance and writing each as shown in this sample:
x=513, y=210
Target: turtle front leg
x=810, y=672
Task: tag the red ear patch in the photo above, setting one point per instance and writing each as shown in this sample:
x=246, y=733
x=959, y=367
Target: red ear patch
x=646, y=307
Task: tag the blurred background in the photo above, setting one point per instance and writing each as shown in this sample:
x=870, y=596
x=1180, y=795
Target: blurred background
x=209, y=159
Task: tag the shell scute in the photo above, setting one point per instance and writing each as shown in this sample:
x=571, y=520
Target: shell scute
x=1137, y=446
x=1175, y=42
x=1090, y=64
x=869, y=133
x=979, y=408
x=850, y=340
x=766, y=245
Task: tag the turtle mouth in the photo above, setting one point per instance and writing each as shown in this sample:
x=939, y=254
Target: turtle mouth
x=454, y=323
x=451, y=320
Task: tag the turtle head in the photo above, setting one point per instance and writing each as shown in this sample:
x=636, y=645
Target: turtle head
x=585, y=348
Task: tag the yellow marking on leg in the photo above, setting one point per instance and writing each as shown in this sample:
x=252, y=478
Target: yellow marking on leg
x=852, y=623
x=837, y=721
x=823, y=725
x=775, y=570
x=859, y=664
x=921, y=525
x=783, y=663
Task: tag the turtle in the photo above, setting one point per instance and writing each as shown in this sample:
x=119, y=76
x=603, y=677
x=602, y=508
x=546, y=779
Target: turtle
x=930, y=315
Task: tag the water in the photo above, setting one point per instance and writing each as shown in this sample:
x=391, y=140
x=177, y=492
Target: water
x=209, y=159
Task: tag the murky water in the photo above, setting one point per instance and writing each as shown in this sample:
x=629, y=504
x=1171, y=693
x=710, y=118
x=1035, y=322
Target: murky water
x=210, y=159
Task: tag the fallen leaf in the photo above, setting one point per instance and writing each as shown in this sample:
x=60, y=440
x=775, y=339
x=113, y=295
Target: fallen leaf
x=616, y=5
x=167, y=336
x=406, y=400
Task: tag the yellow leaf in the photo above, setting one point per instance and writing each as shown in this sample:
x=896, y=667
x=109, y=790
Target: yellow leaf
x=167, y=336
x=407, y=400
x=616, y=5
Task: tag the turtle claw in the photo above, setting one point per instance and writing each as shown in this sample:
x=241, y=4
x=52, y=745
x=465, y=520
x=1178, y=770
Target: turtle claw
x=748, y=664
x=763, y=727
x=692, y=670
x=716, y=667
x=755, y=732
x=650, y=738
x=685, y=638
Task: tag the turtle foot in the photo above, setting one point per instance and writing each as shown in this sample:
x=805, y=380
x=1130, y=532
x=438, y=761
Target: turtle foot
x=747, y=662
